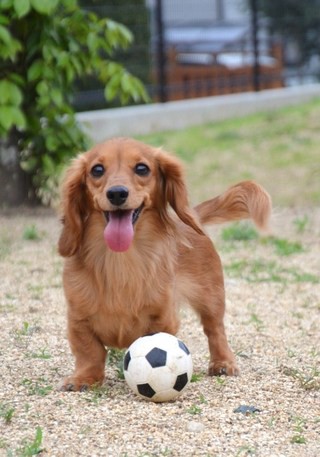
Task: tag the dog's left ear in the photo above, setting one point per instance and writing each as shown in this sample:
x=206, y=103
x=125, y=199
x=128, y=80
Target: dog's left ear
x=173, y=191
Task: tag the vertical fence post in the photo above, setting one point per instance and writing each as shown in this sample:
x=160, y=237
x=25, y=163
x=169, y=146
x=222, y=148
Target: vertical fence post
x=161, y=55
x=255, y=43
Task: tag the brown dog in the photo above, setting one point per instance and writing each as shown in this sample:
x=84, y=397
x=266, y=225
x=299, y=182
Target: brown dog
x=135, y=250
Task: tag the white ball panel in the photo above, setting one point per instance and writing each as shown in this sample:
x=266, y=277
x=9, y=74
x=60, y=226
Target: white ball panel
x=161, y=379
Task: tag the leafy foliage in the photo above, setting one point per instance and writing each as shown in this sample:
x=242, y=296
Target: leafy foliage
x=134, y=15
x=46, y=45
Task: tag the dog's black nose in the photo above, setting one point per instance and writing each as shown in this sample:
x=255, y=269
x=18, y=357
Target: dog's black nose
x=117, y=195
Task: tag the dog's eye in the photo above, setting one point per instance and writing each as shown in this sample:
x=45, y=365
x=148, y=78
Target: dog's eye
x=142, y=169
x=97, y=171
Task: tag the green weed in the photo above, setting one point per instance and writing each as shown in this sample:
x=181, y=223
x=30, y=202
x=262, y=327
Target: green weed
x=245, y=450
x=290, y=353
x=6, y=412
x=42, y=354
x=115, y=359
x=21, y=334
x=221, y=381
x=194, y=410
x=301, y=223
x=284, y=247
x=95, y=394
x=32, y=448
x=31, y=233
x=239, y=232
x=202, y=399
x=25, y=330
x=260, y=270
x=7, y=308
x=298, y=428
x=256, y=322
x=196, y=377
x=39, y=387
x=308, y=378
x=36, y=291
x=3, y=443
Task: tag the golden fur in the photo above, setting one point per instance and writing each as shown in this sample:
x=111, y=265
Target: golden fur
x=115, y=297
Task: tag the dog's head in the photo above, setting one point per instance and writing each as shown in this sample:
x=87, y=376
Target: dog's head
x=121, y=179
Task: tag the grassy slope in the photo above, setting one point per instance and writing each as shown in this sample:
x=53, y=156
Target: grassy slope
x=280, y=149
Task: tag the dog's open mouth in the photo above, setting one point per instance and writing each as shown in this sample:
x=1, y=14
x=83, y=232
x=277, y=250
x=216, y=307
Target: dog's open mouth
x=119, y=231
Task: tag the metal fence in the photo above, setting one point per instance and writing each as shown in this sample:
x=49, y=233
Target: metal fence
x=188, y=48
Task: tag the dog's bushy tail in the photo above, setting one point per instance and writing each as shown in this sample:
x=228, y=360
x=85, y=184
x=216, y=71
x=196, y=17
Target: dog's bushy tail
x=245, y=200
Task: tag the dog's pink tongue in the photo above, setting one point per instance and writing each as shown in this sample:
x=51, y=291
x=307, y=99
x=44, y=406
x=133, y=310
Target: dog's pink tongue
x=118, y=233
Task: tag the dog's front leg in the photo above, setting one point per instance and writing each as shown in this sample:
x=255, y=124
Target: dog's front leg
x=90, y=356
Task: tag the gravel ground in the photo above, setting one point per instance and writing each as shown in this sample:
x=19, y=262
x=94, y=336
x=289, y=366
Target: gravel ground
x=273, y=304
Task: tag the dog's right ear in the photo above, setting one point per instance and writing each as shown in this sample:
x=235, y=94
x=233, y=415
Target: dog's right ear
x=74, y=207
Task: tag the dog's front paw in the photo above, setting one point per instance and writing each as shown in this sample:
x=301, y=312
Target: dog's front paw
x=218, y=368
x=78, y=384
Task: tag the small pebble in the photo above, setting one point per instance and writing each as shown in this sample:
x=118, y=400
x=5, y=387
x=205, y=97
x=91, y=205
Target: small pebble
x=195, y=427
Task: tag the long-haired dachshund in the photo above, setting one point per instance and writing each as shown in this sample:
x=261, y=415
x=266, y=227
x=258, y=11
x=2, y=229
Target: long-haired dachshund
x=135, y=251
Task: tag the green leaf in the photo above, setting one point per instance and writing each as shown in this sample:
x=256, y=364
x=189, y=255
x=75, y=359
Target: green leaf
x=4, y=20
x=51, y=143
x=42, y=88
x=56, y=97
x=10, y=116
x=35, y=70
x=10, y=93
x=70, y=4
x=4, y=35
x=17, y=79
x=126, y=83
x=93, y=41
x=112, y=87
x=5, y=4
x=22, y=7
x=63, y=59
x=48, y=164
x=44, y=6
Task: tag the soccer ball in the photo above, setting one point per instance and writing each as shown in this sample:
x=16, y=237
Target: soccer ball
x=158, y=367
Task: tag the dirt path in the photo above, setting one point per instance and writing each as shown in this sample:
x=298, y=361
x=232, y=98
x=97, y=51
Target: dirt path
x=273, y=301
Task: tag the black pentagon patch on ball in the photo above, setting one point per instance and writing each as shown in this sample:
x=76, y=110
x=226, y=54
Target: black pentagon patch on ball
x=157, y=357
x=126, y=361
x=145, y=390
x=183, y=347
x=181, y=382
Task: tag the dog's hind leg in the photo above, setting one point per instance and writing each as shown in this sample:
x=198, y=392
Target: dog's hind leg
x=209, y=303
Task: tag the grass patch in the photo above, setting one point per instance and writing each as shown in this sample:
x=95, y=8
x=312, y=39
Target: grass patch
x=196, y=377
x=31, y=233
x=115, y=360
x=241, y=231
x=301, y=223
x=285, y=247
x=308, y=378
x=95, y=394
x=299, y=426
x=6, y=412
x=41, y=354
x=268, y=271
x=33, y=447
x=39, y=387
x=194, y=410
x=279, y=149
